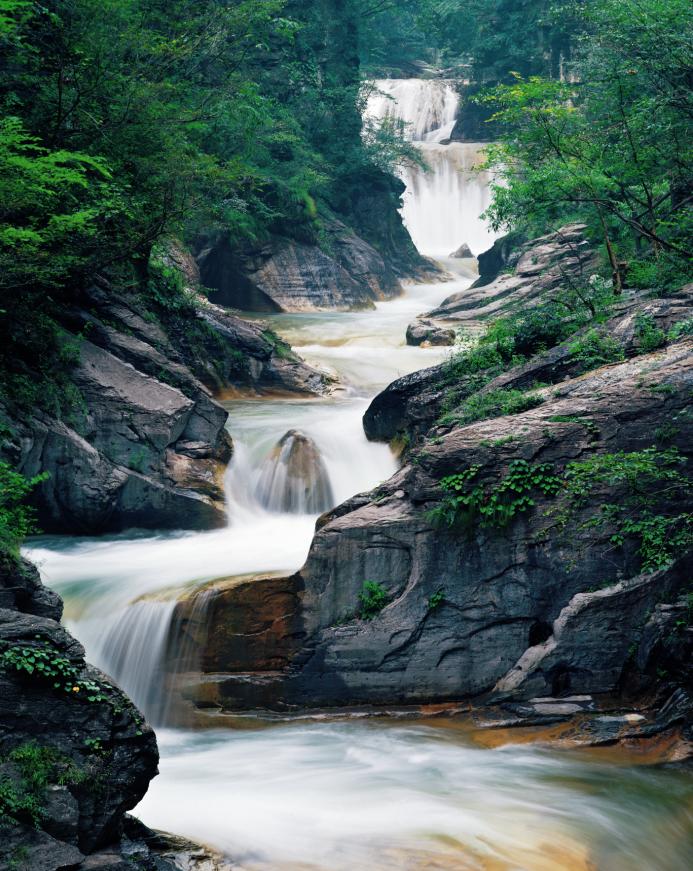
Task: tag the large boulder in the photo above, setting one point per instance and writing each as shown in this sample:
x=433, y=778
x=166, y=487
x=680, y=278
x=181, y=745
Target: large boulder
x=146, y=444
x=75, y=754
x=289, y=275
x=540, y=267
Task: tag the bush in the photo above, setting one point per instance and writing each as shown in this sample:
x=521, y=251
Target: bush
x=494, y=403
x=596, y=349
x=17, y=520
x=372, y=599
x=650, y=337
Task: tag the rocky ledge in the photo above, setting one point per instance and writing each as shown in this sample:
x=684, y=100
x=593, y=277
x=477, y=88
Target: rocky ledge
x=513, y=272
x=144, y=443
x=549, y=598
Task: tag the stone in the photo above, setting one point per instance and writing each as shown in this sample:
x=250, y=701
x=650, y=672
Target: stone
x=294, y=478
x=106, y=741
x=148, y=445
x=463, y=251
x=513, y=623
x=425, y=332
x=288, y=275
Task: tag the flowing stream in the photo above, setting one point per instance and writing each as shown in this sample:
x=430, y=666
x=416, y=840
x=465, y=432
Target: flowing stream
x=350, y=795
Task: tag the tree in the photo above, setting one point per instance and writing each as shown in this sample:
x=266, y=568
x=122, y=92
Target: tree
x=610, y=147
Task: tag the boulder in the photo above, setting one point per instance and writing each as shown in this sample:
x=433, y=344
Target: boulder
x=289, y=275
x=425, y=332
x=147, y=445
x=464, y=251
x=97, y=752
x=294, y=479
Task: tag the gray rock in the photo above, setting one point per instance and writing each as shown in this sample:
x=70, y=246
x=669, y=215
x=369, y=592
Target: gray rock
x=510, y=595
x=463, y=251
x=105, y=754
x=287, y=275
x=425, y=332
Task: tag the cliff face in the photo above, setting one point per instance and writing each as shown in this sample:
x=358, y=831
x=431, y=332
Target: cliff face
x=145, y=444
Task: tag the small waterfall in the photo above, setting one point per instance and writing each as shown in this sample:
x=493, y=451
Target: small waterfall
x=132, y=650
x=428, y=107
x=443, y=203
x=294, y=478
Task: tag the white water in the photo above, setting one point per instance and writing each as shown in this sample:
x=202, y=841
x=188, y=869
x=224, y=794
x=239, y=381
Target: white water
x=443, y=201
x=350, y=796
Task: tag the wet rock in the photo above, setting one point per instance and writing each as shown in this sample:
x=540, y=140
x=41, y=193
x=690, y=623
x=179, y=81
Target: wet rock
x=412, y=404
x=101, y=754
x=463, y=251
x=147, y=446
x=503, y=254
x=294, y=478
x=425, y=332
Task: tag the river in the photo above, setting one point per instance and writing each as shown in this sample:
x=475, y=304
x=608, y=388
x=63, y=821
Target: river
x=353, y=794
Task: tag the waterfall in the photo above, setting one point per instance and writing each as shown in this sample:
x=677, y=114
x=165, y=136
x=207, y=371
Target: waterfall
x=443, y=202
x=294, y=477
x=428, y=107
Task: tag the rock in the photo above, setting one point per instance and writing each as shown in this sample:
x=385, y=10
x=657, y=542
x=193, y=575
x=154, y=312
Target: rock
x=506, y=597
x=147, y=446
x=544, y=265
x=99, y=755
x=422, y=332
x=503, y=254
x=294, y=478
x=411, y=405
x=463, y=251
x=288, y=275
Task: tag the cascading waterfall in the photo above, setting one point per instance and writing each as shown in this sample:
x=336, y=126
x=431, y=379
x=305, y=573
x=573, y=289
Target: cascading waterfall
x=443, y=201
x=335, y=796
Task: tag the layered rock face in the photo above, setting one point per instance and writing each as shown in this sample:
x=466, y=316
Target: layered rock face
x=146, y=445
x=288, y=275
x=539, y=266
x=410, y=406
x=549, y=603
x=75, y=754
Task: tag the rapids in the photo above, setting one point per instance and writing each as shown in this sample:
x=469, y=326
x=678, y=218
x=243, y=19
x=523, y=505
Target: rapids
x=351, y=795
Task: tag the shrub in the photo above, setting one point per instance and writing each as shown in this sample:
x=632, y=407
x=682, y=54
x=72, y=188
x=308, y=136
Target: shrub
x=372, y=599
x=681, y=329
x=650, y=337
x=595, y=349
x=17, y=520
x=494, y=403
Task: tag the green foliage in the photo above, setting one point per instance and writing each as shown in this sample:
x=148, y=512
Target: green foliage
x=493, y=403
x=17, y=520
x=494, y=505
x=681, y=329
x=653, y=485
x=596, y=348
x=372, y=599
x=23, y=799
x=435, y=600
x=650, y=337
x=609, y=144
x=41, y=661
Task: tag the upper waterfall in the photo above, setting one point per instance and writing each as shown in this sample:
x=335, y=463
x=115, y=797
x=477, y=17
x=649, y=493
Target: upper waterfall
x=444, y=200
x=428, y=107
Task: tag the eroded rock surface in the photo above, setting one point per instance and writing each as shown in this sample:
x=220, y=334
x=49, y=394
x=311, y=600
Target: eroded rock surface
x=145, y=444
x=542, y=265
